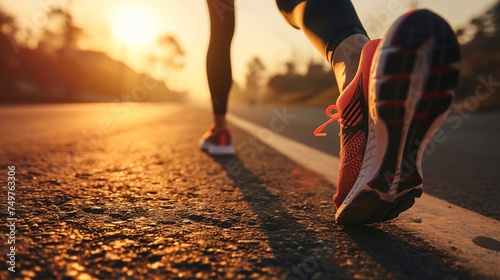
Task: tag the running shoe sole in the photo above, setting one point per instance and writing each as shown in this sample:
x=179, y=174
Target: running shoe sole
x=217, y=150
x=410, y=93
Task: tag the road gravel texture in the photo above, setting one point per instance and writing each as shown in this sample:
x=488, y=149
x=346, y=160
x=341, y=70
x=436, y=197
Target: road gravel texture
x=142, y=202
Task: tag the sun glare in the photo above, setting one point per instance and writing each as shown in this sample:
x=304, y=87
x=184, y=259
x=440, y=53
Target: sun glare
x=134, y=27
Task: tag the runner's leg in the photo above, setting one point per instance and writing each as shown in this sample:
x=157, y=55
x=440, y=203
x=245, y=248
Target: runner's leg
x=334, y=28
x=222, y=21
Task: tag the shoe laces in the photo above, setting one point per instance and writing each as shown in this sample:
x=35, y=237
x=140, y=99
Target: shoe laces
x=333, y=117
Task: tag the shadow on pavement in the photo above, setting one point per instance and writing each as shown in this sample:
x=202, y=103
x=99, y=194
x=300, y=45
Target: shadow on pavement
x=301, y=254
x=295, y=247
x=398, y=256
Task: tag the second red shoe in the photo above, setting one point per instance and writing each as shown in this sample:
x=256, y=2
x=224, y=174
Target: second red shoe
x=217, y=142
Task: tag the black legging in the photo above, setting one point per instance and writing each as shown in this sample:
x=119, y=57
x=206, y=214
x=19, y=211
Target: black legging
x=326, y=23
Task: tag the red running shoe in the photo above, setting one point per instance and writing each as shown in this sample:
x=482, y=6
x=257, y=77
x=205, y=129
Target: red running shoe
x=217, y=143
x=400, y=95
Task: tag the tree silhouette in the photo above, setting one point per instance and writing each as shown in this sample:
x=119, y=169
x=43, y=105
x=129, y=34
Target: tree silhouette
x=61, y=35
x=61, y=28
x=173, y=54
x=8, y=29
x=495, y=18
x=480, y=55
x=254, y=78
x=479, y=25
x=8, y=50
x=488, y=23
x=7, y=24
x=168, y=60
x=293, y=87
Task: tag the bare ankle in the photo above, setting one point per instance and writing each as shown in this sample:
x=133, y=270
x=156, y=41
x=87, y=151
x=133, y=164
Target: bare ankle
x=220, y=122
x=345, y=59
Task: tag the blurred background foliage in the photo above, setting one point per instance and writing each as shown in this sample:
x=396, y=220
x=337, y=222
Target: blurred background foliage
x=55, y=69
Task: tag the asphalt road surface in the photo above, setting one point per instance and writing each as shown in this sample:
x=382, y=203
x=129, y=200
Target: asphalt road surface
x=120, y=191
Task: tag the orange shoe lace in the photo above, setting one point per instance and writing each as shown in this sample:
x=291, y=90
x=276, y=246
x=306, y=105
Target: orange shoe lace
x=333, y=117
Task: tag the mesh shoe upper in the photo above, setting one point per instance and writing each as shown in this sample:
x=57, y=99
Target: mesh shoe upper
x=353, y=110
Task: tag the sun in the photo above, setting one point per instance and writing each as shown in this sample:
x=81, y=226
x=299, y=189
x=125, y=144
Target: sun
x=134, y=26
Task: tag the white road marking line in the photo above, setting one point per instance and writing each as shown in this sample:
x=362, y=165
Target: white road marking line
x=448, y=227
x=302, y=154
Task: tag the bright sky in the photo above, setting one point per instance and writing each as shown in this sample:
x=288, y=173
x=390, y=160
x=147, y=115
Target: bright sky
x=260, y=30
